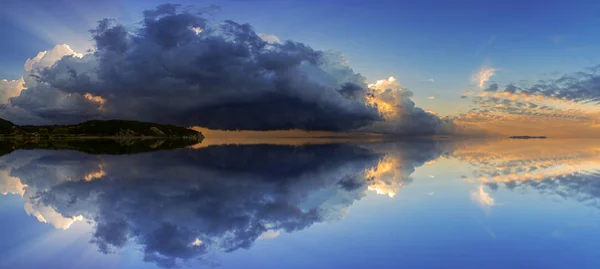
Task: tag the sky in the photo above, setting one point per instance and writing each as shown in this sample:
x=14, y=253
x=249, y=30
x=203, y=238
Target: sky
x=444, y=59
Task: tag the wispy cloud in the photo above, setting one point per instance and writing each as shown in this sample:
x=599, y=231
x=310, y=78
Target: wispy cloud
x=483, y=75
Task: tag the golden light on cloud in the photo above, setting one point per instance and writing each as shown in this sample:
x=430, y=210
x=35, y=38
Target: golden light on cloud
x=96, y=99
x=386, y=95
x=510, y=113
x=10, y=88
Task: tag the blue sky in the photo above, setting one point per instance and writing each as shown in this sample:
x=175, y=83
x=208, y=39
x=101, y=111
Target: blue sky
x=414, y=42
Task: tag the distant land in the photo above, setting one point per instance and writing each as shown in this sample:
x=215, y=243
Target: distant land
x=527, y=137
x=98, y=129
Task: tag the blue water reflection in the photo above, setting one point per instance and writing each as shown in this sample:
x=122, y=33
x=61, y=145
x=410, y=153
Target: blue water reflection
x=412, y=204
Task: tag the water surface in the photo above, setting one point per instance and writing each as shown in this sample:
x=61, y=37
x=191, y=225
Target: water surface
x=394, y=204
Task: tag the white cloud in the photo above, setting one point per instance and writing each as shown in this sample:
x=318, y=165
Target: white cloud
x=49, y=58
x=197, y=30
x=483, y=75
x=270, y=234
x=271, y=38
x=10, y=88
x=197, y=243
x=482, y=198
x=431, y=97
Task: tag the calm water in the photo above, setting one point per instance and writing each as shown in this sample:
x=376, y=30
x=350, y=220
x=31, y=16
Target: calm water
x=407, y=204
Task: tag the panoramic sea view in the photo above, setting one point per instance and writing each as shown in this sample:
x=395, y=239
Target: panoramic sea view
x=299, y=134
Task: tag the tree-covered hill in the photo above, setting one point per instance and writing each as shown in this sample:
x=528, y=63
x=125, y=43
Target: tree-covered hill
x=99, y=128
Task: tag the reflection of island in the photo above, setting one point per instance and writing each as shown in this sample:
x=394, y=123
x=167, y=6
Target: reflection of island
x=100, y=146
x=526, y=137
x=182, y=204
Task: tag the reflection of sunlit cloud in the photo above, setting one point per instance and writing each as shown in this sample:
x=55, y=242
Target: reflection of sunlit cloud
x=197, y=30
x=43, y=213
x=96, y=174
x=197, y=243
x=385, y=177
x=270, y=234
x=566, y=168
x=10, y=185
x=481, y=197
x=47, y=214
x=519, y=160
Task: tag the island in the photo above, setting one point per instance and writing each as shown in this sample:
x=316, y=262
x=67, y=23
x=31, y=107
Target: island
x=97, y=137
x=527, y=137
x=98, y=129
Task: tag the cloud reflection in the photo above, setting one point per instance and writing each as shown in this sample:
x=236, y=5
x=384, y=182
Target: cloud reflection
x=566, y=168
x=179, y=205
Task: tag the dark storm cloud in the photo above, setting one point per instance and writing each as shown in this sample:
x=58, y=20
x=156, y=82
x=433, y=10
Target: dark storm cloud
x=179, y=68
x=225, y=196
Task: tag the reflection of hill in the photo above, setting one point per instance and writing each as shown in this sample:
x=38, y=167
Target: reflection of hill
x=97, y=146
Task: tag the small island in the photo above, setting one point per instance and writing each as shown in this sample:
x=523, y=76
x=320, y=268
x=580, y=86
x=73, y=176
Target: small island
x=117, y=129
x=527, y=137
x=97, y=137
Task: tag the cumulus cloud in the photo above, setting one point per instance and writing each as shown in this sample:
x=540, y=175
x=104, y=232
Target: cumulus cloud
x=10, y=88
x=46, y=59
x=178, y=67
x=401, y=115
